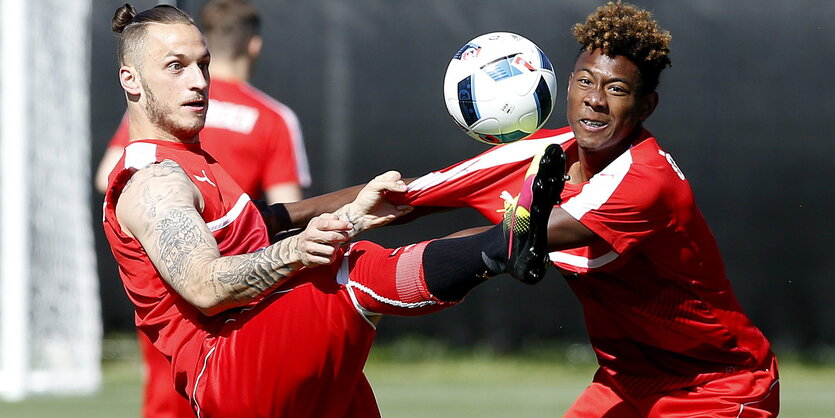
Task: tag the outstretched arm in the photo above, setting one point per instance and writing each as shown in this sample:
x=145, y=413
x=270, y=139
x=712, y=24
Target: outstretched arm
x=566, y=232
x=160, y=207
x=291, y=215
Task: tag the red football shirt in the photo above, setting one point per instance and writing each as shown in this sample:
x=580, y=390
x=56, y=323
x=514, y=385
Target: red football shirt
x=659, y=309
x=234, y=221
x=257, y=139
x=280, y=355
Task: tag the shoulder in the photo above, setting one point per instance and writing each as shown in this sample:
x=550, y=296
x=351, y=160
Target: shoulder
x=653, y=176
x=551, y=133
x=150, y=191
x=161, y=175
x=266, y=102
x=651, y=160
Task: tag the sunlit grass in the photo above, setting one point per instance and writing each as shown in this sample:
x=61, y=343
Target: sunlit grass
x=424, y=378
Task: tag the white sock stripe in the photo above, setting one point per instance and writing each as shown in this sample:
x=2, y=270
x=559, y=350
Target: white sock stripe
x=387, y=301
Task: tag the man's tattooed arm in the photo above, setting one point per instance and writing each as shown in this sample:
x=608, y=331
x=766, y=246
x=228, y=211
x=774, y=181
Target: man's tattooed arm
x=160, y=207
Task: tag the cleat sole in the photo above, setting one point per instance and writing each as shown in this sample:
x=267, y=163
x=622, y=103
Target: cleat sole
x=547, y=187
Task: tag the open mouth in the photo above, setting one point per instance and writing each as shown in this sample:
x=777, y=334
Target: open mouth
x=196, y=104
x=593, y=124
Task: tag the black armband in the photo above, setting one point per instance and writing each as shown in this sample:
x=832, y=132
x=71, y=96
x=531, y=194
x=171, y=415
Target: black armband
x=275, y=216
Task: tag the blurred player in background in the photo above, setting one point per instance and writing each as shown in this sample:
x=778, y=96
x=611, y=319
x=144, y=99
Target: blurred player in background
x=259, y=329
x=670, y=337
x=257, y=139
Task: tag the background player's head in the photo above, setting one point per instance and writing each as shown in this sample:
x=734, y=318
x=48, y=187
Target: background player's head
x=232, y=29
x=164, y=71
x=612, y=88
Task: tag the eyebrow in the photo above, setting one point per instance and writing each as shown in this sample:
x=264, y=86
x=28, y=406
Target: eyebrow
x=183, y=56
x=612, y=80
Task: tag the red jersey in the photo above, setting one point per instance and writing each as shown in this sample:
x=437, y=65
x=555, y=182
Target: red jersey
x=168, y=319
x=659, y=309
x=256, y=138
x=280, y=355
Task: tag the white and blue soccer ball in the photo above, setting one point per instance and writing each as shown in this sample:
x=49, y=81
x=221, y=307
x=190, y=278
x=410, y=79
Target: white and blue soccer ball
x=500, y=88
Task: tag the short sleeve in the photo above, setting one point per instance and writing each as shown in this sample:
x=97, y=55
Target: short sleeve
x=622, y=205
x=286, y=160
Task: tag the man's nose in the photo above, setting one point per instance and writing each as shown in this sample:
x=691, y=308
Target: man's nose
x=596, y=99
x=198, y=79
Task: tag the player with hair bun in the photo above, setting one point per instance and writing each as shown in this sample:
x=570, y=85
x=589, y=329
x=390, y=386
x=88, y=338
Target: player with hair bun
x=256, y=138
x=283, y=329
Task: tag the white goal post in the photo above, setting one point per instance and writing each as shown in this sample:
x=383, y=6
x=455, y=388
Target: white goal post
x=50, y=320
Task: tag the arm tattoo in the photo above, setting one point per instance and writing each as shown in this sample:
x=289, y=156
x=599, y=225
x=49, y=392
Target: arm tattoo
x=179, y=237
x=257, y=272
x=187, y=251
x=347, y=213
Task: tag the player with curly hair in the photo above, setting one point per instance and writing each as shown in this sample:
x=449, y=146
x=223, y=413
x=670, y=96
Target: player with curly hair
x=670, y=337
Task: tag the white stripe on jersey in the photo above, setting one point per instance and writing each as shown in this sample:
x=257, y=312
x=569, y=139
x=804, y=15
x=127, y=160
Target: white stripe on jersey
x=599, y=188
x=230, y=216
x=580, y=261
x=594, y=194
x=289, y=116
x=140, y=154
x=513, y=152
x=231, y=116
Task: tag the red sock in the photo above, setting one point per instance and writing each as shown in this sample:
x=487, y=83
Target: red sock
x=390, y=281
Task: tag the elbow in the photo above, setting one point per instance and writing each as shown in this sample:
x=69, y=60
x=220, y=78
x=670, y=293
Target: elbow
x=208, y=305
x=213, y=310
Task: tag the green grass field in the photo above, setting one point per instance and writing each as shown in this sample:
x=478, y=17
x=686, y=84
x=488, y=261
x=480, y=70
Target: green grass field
x=426, y=380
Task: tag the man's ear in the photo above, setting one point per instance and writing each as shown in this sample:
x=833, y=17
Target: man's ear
x=648, y=105
x=129, y=78
x=254, y=46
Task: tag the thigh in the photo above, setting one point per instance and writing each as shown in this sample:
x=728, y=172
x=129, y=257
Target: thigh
x=747, y=394
x=285, y=355
x=601, y=399
x=363, y=403
x=160, y=398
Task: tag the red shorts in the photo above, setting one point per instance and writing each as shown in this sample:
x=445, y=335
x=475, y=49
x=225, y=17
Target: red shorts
x=298, y=353
x=301, y=352
x=746, y=394
x=160, y=399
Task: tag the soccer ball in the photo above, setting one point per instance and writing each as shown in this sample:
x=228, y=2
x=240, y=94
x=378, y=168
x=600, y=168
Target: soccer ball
x=500, y=88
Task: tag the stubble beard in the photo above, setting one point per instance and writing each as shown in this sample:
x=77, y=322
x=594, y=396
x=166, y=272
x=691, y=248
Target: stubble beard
x=159, y=114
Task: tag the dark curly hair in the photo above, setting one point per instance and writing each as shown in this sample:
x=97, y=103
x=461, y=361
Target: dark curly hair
x=623, y=29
